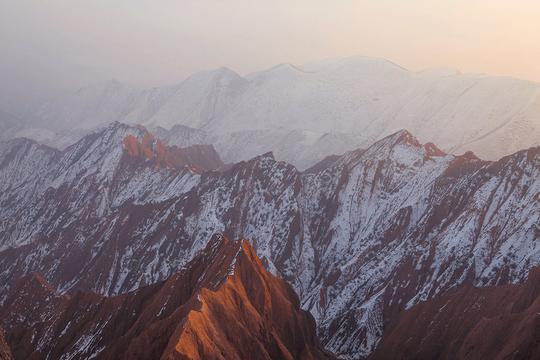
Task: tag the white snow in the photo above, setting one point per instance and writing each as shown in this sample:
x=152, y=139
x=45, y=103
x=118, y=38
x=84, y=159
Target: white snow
x=356, y=100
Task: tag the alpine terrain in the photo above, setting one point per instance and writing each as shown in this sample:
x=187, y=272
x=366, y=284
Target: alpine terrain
x=304, y=113
x=222, y=305
x=363, y=238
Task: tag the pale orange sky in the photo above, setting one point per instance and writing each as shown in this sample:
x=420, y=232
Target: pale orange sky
x=54, y=44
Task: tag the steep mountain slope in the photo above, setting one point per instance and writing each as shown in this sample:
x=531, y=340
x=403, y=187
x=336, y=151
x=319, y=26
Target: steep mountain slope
x=223, y=304
x=361, y=237
x=356, y=100
x=5, y=350
x=42, y=185
x=500, y=322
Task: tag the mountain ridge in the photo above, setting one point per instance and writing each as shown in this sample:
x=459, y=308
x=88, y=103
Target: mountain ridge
x=358, y=100
x=194, y=314
x=365, y=237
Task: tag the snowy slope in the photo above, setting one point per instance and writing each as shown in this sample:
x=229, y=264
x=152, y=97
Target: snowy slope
x=361, y=238
x=41, y=184
x=362, y=97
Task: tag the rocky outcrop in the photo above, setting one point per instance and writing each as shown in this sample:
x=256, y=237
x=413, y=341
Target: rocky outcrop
x=199, y=158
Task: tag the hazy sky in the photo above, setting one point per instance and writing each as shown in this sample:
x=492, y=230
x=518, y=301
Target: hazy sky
x=49, y=45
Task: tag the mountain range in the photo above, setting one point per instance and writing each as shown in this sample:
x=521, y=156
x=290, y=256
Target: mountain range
x=362, y=237
x=304, y=113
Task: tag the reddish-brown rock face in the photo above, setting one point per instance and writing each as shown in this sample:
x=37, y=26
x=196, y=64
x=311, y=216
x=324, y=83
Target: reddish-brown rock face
x=499, y=322
x=199, y=158
x=222, y=305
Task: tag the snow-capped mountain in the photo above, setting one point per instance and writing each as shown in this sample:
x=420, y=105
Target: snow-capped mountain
x=194, y=314
x=103, y=170
x=353, y=101
x=361, y=237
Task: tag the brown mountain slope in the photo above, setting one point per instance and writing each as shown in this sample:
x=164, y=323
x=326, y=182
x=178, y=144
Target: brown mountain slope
x=5, y=351
x=500, y=322
x=222, y=305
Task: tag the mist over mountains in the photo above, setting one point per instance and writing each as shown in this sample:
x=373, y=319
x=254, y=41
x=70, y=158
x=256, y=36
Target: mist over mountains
x=341, y=209
x=304, y=113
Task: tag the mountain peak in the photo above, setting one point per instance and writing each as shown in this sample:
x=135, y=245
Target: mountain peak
x=469, y=155
x=248, y=297
x=112, y=130
x=433, y=150
x=286, y=67
x=404, y=137
x=223, y=304
x=217, y=241
x=222, y=75
x=222, y=256
x=402, y=147
x=267, y=155
x=279, y=71
x=225, y=71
